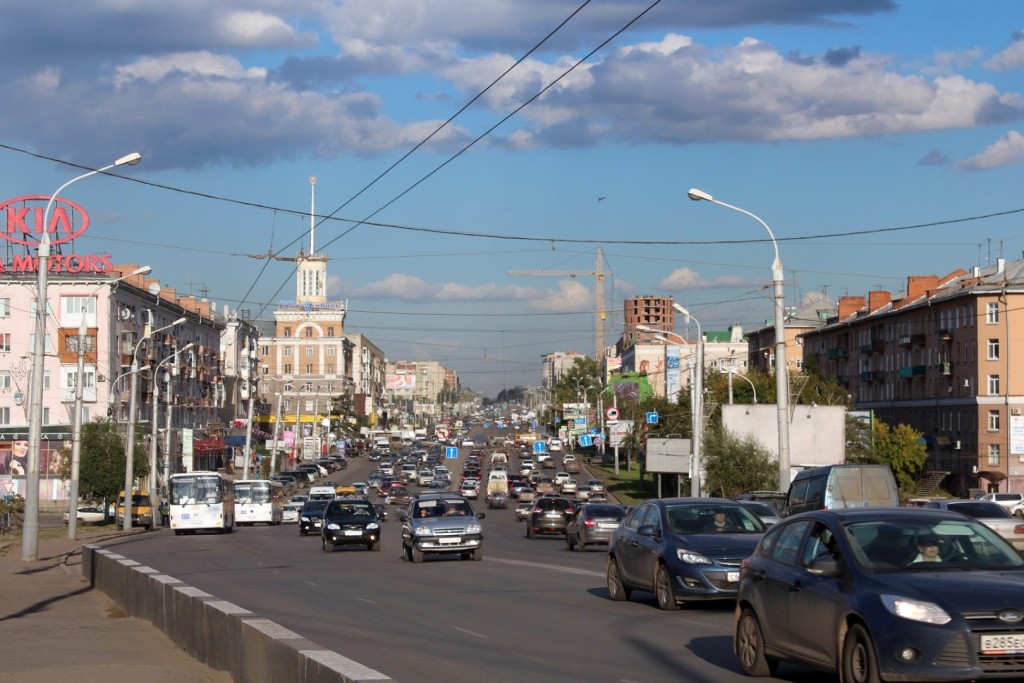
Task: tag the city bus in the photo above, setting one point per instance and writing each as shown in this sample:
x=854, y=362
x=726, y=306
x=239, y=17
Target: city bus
x=258, y=501
x=202, y=500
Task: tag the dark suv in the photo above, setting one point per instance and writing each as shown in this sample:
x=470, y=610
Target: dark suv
x=441, y=523
x=312, y=516
x=350, y=521
x=550, y=516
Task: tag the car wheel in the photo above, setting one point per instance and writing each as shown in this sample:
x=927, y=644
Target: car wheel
x=663, y=590
x=617, y=591
x=568, y=542
x=417, y=556
x=408, y=553
x=325, y=546
x=375, y=546
x=750, y=647
x=859, y=663
x=478, y=554
x=580, y=545
x=529, y=530
x=178, y=532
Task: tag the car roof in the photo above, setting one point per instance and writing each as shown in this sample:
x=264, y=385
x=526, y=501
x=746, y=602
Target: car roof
x=891, y=514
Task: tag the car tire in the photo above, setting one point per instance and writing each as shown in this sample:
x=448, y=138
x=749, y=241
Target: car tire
x=750, y=647
x=859, y=665
x=417, y=556
x=408, y=552
x=375, y=546
x=663, y=590
x=568, y=543
x=581, y=547
x=529, y=529
x=617, y=591
x=325, y=546
x=302, y=532
x=178, y=532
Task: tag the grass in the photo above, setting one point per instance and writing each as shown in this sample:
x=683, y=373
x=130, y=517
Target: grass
x=626, y=485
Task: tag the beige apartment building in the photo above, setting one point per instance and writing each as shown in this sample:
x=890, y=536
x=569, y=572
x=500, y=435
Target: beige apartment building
x=943, y=359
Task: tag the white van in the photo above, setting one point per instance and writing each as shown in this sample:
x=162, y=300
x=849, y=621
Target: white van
x=841, y=486
x=321, y=493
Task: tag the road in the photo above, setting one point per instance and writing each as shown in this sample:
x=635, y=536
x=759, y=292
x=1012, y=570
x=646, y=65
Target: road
x=530, y=611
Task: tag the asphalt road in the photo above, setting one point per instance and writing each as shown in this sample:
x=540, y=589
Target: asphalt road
x=531, y=610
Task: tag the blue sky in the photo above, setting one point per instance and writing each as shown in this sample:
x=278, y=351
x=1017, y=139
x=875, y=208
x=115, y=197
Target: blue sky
x=879, y=139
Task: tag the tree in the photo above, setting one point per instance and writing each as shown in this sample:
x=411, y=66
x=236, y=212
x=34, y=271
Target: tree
x=902, y=450
x=734, y=464
x=102, y=464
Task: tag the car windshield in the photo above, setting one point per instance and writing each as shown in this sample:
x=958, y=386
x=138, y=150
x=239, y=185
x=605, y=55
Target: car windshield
x=442, y=508
x=711, y=518
x=911, y=545
x=347, y=509
x=315, y=507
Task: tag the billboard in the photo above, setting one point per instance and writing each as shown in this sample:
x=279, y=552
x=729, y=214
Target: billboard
x=400, y=381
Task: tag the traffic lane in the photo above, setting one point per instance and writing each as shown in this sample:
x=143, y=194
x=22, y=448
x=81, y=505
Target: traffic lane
x=460, y=618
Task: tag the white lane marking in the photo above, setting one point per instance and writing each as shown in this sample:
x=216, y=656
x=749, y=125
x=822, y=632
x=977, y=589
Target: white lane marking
x=557, y=568
x=372, y=602
x=470, y=633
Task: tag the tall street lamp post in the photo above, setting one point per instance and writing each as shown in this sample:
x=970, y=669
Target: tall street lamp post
x=153, y=469
x=30, y=528
x=781, y=369
x=698, y=406
x=76, y=419
x=129, y=476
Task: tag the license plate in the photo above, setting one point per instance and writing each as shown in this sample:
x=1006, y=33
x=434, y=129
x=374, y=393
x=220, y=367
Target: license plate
x=452, y=540
x=184, y=515
x=732, y=577
x=353, y=533
x=1002, y=643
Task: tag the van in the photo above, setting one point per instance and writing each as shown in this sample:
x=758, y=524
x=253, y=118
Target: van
x=322, y=493
x=841, y=486
x=142, y=510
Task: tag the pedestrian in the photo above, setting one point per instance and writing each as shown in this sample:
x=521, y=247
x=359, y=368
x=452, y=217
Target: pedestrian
x=165, y=514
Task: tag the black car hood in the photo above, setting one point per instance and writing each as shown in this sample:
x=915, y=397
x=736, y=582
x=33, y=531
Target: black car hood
x=958, y=590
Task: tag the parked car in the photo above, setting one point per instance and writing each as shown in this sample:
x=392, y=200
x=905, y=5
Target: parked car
x=88, y=514
x=312, y=516
x=592, y=523
x=442, y=523
x=350, y=521
x=993, y=515
x=550, y=514
x=842, y=590
x=682, y=549
x=1013, y=502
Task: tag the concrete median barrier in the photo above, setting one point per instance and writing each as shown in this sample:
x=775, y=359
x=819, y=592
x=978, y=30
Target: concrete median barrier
x=217, y=633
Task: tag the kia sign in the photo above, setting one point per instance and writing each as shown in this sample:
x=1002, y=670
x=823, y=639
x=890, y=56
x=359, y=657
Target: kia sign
x=68, y=220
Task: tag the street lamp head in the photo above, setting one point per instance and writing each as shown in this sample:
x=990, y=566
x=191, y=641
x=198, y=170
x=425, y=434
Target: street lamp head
x=680, y=309
x=144, y=270
x=697, y=195
x=129, y=159
x=179, y=321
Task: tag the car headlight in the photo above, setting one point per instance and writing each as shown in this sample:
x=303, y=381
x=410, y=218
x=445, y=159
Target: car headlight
x=305, y=519
x=690, y=557
x=423, y=531
x=333, y=527
x=372, y=526
x=915, y=610
x=473, y=529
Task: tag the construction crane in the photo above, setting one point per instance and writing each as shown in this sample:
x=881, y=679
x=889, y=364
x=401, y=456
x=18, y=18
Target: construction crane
x=599, y=274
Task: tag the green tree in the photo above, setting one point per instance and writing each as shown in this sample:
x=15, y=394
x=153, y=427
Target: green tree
x=734, y=464
x=102, y=461
x=900, y=448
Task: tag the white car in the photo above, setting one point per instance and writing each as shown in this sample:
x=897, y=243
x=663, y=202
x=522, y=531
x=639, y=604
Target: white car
x=555, y=445
x=88, y=515
x=291, y=513
x=425, y=477
x=526, y=467
x=561, y=478
x=569, y=486
x=470, y=488
x=468, y=443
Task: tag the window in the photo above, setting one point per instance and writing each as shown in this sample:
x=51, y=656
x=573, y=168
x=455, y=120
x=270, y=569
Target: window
x=48, y=345
x=5, y=308
x=992, y=313
x=266, y=369
x=72, y=308
x=287, y=368
x=5, y=342
x=5, y=415
x=329, y=369
x=5, y=379
x=264, y=350
x=993, y=455
x=330, y=351
x=309, y=368
x=71, y=344
x=993, y=420
x=993, y=349
x=330, y=331
x=287, y=331
x=309, y=352
x=309, y=332
x=287, y=352
x=993, y=385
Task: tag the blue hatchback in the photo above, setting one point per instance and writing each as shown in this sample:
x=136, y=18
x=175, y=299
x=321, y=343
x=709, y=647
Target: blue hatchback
x=682, y=549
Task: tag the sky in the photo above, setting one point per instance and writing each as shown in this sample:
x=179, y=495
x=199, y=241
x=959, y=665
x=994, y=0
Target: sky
x=453, y=142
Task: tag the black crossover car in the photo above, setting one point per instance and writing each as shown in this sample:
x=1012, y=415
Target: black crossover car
x=312, y=516
x=350, y=521
x=894, y=594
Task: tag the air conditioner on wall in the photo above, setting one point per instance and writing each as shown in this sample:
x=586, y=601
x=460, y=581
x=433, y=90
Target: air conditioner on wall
x=956, y=445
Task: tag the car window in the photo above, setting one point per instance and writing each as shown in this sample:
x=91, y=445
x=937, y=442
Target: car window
x=785, y=546
x=634, y=518
x=820, y=543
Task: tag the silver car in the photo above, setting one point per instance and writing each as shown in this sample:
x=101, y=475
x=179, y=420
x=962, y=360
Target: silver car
x=593, y=523
x=991, y=514
x=442, y=524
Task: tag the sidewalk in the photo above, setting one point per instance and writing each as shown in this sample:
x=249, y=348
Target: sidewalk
x=54, y=627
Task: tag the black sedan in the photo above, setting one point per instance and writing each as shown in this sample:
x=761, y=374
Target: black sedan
x=312, y=516
x=682, y=549
x=875, y=594
x=350, y=521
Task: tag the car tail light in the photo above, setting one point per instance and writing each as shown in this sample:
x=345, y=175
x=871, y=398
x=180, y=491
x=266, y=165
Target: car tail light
x=1018, y=529
x=589, y=523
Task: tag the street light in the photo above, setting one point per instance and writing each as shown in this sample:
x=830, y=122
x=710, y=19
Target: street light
x=129, y=477
x=781, y=369
x=696, y=408
x=76, y=419
x=732, y=371
x=156, y=420
x=30, y=528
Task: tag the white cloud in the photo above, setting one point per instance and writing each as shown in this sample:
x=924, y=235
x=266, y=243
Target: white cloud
x=687, y=278
x=1006, y=151
x=1011, y=58
x=404, y=287
x=193, y=65
x=571, y=295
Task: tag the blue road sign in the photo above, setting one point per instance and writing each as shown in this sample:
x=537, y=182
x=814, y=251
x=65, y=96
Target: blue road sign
x=451, y=453
x=558, y=419
x=586, y=440
x=540, y=447
x=652, y=418
x=580, y=421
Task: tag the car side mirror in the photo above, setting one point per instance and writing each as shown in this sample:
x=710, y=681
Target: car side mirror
x=825, y=565
x=647, y=530
x=403, y=517
x=480, y=515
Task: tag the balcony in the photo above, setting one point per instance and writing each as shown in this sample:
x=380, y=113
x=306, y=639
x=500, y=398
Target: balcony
x=908, y=371
x=945, y=335
x=843, y=380
x=838, y=353
x=918, y=339
x=867, y=376
x=904, y=340
x=945, y=368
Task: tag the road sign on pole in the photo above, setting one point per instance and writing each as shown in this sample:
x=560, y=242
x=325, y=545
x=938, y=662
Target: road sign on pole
x=612, y=413
x=652, y=418
x=451, y=453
